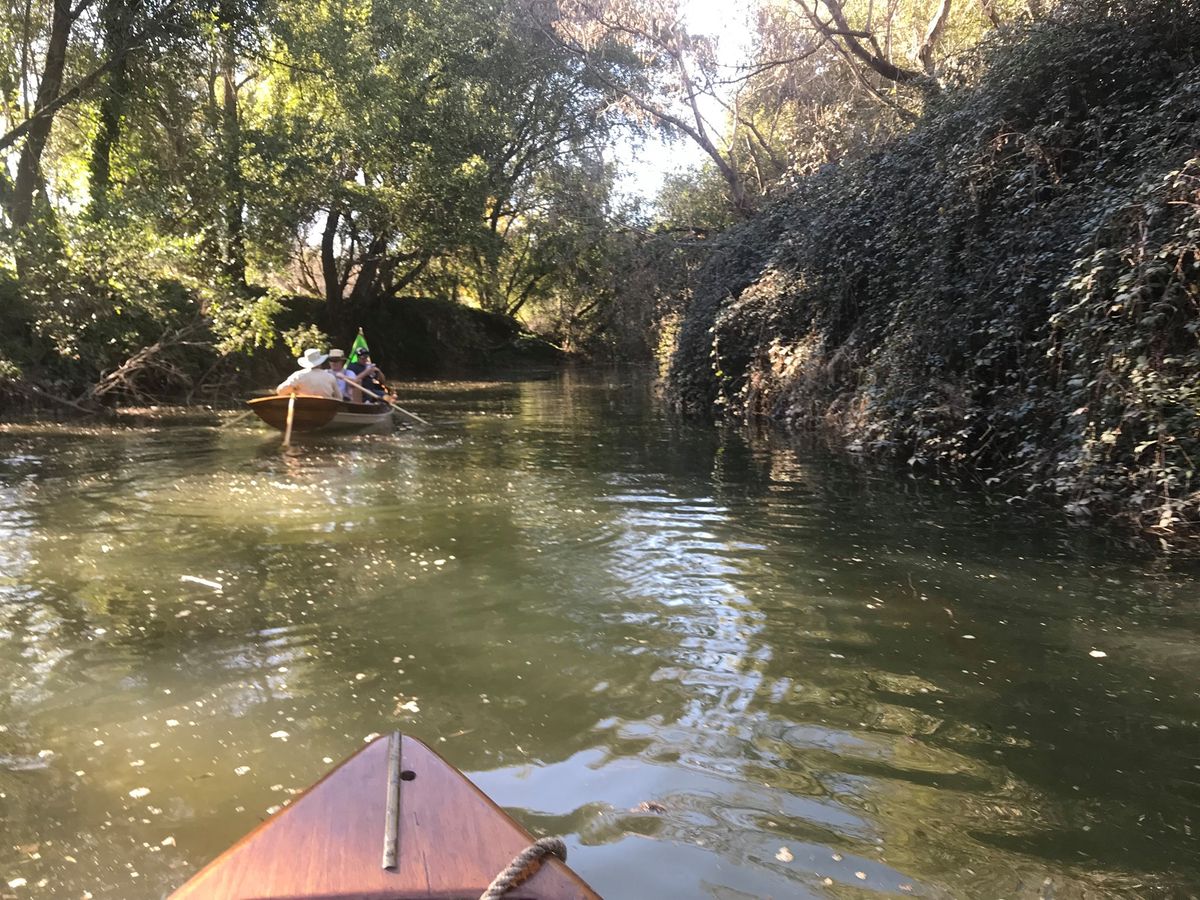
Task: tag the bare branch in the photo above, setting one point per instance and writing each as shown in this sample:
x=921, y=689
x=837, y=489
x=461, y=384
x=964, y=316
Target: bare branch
x=657, y=43
x=874, y=92
x=874, y=59
x=768, y=65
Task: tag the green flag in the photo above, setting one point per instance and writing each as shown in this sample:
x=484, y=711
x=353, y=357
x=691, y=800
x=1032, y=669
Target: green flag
x=360, y=343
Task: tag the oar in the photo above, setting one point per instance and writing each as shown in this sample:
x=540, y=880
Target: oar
x=371, y=393
x=287, y=432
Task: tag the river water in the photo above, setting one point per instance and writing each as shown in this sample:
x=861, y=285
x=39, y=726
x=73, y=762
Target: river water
x=721, y=664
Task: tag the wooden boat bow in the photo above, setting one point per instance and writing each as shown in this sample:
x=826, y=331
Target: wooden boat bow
x=393, y=821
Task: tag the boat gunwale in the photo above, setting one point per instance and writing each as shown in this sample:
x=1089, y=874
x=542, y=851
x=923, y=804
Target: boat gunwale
x=332, y=414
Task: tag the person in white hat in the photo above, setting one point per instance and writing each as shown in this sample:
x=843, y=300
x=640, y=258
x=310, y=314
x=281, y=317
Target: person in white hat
x=348, y=378
x=311, y=380
x=337, y=366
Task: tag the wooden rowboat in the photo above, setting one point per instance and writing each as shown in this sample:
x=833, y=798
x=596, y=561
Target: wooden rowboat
x=393, y=821
x=321, y=413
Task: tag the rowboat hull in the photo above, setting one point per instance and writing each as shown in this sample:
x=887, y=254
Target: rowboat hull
x=448, y=839
x=321, y=413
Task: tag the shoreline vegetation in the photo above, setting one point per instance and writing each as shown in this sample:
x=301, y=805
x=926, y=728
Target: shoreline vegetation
x=416, y=339
x=1011, y=292
x=959, y=238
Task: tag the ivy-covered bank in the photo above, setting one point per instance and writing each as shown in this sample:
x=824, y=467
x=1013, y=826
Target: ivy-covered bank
x=1011, y=290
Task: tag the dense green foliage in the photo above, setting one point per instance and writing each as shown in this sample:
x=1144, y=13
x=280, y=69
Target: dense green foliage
x=1012, y=290
x=175, y=169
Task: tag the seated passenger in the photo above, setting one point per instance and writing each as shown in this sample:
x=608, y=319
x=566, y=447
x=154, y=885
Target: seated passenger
x=367, y=374
x=311, y=380
x=347, y=383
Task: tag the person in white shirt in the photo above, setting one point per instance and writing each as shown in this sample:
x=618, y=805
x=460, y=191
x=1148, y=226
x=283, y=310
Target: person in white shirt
x=311, y=379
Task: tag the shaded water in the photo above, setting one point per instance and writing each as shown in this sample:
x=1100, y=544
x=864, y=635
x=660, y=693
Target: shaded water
x=822, y=683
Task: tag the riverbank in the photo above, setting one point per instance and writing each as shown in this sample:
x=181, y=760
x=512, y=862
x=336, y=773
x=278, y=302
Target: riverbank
x=1011, y=292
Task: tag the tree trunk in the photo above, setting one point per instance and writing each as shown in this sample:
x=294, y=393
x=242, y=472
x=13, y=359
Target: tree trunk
x=329, y=267
x=235, y=188
x=116, y=17
x=932, y=35
x=399, y=284
x=29, y=166
x=733, y=178
x=366, y=284
x=43, y=114
x=673, y=43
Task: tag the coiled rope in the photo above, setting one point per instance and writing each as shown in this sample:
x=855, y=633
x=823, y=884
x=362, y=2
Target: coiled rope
x=524, y=865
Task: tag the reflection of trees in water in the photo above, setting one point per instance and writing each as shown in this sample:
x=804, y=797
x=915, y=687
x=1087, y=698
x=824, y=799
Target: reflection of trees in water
x=684, y=579
x=990, y=623
x=832, y=538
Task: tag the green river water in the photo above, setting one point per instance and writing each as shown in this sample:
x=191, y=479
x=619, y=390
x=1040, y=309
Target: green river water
x=720, y=663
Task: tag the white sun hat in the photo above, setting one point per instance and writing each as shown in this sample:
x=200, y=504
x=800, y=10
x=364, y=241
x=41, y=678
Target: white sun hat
x=311, y=359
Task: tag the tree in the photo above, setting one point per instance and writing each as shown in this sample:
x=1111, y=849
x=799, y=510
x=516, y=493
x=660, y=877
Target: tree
x=116, y=17
x=410, y=137
x=366, y=150
x=153, y=24
x=643, y=53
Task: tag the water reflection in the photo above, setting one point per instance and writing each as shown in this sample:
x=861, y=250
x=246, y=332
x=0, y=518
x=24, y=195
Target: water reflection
x=722, y=663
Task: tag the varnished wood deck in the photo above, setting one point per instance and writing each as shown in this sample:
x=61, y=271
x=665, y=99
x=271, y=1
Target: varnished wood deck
x=453, y=840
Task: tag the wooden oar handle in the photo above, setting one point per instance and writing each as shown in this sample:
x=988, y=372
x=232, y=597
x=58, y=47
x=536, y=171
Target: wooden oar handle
x=291, y=413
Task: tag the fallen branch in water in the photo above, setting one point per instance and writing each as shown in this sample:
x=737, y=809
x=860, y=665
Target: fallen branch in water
x=149, y=358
